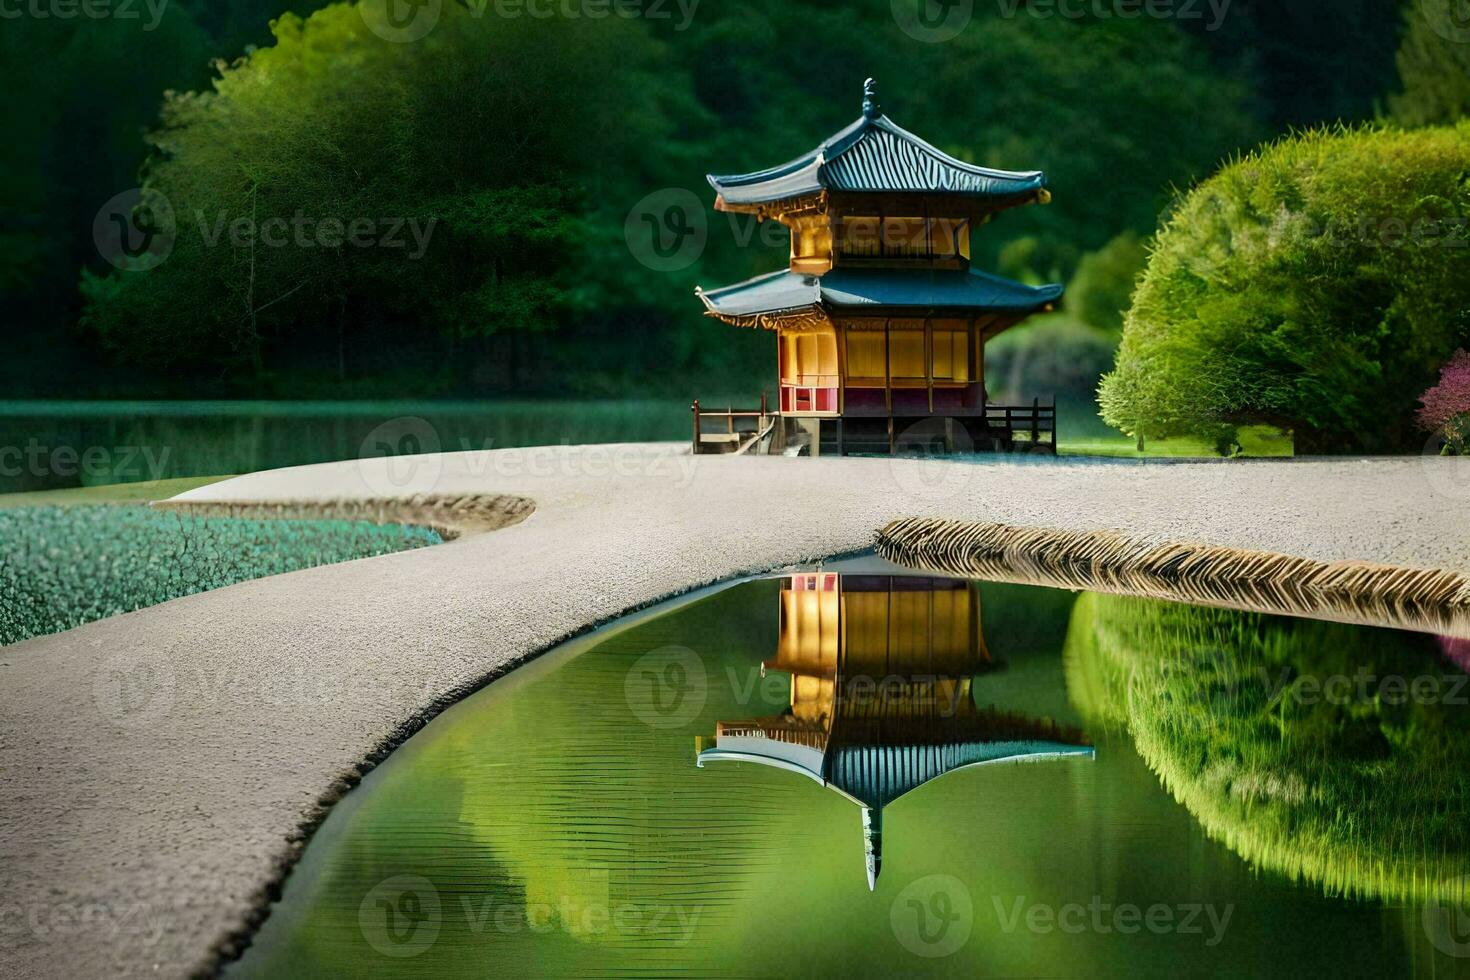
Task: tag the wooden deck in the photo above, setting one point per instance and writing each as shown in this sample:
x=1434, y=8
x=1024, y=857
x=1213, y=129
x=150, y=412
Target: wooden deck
x=732, y=430
x=992, y=428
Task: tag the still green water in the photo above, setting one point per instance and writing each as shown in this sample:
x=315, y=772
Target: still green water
x=556, y=823
x=55, y=445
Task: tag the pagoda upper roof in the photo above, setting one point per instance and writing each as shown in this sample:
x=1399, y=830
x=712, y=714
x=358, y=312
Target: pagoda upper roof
x=875, y=155
x=849, y=290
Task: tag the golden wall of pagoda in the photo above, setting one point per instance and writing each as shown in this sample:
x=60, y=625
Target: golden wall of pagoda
x=924, y=644
x=821, y=241
x=818, y=363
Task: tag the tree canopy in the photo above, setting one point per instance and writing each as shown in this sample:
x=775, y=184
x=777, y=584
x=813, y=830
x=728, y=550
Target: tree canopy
x=1434, y=68
x=517, y=147
x=1316, y=284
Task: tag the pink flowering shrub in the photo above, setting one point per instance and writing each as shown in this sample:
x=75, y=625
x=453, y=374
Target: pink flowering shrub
x=1447, y=404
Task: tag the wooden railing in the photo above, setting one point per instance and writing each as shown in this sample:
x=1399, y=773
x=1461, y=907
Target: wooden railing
x=733, y=429
x=1028, y=421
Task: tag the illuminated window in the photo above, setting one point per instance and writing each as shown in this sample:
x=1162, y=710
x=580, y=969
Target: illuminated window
x=860, y=236
x=867, y=236
x=951, y=355
x=865, y=355
x=809, y=358
x=906, y=355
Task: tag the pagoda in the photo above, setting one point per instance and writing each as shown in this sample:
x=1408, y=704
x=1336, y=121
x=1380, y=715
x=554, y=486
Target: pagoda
x=882, y=670
x=880, y=321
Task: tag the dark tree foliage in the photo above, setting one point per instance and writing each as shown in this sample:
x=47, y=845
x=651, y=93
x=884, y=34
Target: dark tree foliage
x=1310, y=62
x=528, y=142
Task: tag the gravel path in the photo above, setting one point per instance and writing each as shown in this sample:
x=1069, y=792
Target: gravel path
x=157, y=764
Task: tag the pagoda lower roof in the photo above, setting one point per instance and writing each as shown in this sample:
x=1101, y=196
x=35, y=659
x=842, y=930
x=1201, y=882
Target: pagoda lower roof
x=872, y=155
x=853, y=291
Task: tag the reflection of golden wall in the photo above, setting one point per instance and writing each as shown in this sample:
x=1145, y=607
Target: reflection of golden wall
x=907, y=632
x=808, y=631
x=807, y=645
x=903, y=631
x=922, y=644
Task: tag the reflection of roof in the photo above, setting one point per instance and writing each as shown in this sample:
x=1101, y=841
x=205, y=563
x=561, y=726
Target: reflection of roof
x=874, y=154
x=876, y=775
x=855, y=289
x=881, y=702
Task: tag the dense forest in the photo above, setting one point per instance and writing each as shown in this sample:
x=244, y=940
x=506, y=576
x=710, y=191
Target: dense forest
x=347, y=215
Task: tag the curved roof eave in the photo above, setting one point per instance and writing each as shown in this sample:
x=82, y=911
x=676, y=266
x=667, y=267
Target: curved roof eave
x=785, y=293
x=886, y=170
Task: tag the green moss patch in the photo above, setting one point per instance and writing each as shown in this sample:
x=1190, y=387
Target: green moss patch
x=64, y=566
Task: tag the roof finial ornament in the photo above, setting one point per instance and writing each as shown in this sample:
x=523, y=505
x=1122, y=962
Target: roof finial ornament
x=871, y=108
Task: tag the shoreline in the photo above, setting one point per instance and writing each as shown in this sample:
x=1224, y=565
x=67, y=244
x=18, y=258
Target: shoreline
x=252, y=708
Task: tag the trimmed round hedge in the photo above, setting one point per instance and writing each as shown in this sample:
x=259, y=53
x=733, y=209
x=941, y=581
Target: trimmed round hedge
x=1316, y=285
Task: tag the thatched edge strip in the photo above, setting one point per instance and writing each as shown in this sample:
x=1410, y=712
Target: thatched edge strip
x=450, y=516
x=1365, y=593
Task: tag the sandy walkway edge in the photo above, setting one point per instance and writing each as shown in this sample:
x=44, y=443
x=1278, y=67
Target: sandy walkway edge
x=159, y=767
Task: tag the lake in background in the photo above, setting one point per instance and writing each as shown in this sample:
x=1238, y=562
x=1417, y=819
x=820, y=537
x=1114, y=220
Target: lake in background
x=57, y=445
x=54, y=445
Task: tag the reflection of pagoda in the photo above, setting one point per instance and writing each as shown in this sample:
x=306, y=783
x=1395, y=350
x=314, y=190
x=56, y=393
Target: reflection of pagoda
x=881, y=671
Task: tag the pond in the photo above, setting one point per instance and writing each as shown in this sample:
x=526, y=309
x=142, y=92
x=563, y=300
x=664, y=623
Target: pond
x=56, y=445
x=852, y=771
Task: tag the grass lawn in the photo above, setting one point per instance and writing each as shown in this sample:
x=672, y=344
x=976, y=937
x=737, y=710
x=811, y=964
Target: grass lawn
x=1257, y=440
x=112, y=493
